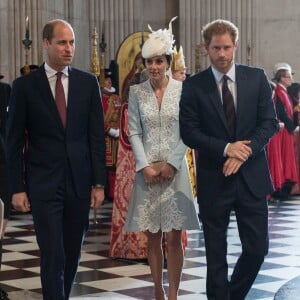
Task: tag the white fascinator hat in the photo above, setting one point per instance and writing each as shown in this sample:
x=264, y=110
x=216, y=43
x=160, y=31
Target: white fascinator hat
x=282, y=66
x=159, y=42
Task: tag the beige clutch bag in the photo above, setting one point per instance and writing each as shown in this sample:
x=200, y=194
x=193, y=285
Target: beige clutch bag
x=157, y=165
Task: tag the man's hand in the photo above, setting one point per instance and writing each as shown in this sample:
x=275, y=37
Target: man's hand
x=3, y=228
x=239, y=150
x=231, y=166
x=97, y=197
x=20, y=202
x=281, y=125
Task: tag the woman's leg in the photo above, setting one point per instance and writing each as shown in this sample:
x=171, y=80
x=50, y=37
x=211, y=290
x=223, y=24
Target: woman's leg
x=155, y=259
x=175, y=261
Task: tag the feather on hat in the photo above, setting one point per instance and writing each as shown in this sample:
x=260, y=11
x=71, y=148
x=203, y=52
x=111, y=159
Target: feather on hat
x=159, y=42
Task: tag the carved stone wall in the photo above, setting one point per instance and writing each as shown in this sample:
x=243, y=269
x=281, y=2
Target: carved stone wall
x=268, y=29
x=115, y=18
x=197, y=13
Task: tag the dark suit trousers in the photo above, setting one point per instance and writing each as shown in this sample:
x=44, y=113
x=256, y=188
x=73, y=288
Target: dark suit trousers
x=60, y=225
x=4, y=182
x=252, y=221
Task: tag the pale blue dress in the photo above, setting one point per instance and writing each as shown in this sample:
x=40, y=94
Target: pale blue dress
x=154, y=136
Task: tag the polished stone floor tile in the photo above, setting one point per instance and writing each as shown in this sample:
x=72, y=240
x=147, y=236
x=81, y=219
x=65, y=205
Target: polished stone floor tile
x=100, y=277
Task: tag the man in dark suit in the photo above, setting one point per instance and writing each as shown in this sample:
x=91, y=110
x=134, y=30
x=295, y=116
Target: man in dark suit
x=65, y=159
x=232, y=169
x=4, y=95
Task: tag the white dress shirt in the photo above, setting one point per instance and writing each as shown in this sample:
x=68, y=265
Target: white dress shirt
x=51, y=75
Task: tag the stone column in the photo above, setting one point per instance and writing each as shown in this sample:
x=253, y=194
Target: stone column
x=194, y=14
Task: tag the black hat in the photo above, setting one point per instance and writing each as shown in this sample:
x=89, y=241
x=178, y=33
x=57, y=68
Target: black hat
x=1, y=76
x=31, y=68
x=107, y=73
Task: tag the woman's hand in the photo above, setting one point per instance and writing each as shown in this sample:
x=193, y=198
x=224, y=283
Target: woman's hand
x=150, y=175
x=167, y=172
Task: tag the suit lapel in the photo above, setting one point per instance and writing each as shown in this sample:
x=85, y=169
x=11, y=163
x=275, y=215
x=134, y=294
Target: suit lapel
x=74, y=92
x=241, y=91
x=214, y=95
x=47, y=96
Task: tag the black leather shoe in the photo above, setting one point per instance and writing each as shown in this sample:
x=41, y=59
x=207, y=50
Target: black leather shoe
x=3, y=295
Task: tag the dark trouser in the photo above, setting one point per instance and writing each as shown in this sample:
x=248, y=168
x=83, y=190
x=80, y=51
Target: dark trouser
x=252, y=220
x=4, y=187
x=0, y=253
x=60, y=225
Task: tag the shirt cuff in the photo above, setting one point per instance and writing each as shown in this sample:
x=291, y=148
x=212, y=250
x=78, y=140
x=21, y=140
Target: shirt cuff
x=98, y=186
x=225, y=150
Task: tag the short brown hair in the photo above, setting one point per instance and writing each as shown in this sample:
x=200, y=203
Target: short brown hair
x=48, y=30
x=219, y=27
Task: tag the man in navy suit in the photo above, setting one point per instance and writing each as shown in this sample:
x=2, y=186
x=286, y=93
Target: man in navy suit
x=232, y=169
x=4, y=96
x=61, y=174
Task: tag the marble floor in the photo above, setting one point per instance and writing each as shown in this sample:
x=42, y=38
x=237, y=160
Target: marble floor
x=100, y=277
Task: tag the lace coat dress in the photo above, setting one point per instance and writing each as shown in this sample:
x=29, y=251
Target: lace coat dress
x=154, y=136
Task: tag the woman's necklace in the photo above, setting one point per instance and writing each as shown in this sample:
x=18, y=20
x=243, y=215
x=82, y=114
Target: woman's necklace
x=159, y=91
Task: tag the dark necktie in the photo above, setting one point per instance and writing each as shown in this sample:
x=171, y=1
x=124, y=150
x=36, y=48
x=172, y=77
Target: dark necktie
x=60, y=99
x=228, y=106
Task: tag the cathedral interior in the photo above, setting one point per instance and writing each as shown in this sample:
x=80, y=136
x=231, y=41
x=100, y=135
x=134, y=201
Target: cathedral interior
x=109, y=36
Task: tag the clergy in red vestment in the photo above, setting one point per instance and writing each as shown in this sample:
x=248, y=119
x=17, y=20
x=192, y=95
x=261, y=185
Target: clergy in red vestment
x=284, y=153
x=294, y=93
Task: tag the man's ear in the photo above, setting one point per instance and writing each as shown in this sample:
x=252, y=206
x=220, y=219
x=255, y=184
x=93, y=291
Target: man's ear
x=46, y=43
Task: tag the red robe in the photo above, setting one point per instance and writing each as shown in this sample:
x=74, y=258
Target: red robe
x=275, y=160
x=282, y=158
x=111, y=107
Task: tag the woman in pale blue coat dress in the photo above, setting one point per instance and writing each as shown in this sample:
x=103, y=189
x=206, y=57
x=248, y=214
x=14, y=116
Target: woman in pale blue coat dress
x=162, y=198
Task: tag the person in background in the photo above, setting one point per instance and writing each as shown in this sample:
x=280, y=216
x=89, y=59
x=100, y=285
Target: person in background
x=4, y=196
x=5, y=90
x=112, y=106
x=285, y=114
x=294, y=93
x=162, y=198
x=274, y=155
x=64, y=173
x=123, y=244
x=25, y=70
x=178, y=67
x=227, y=113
